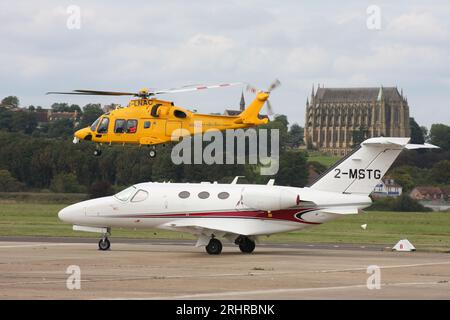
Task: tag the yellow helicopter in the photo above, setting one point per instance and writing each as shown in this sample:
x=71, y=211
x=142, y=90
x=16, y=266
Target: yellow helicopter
x=150, y=121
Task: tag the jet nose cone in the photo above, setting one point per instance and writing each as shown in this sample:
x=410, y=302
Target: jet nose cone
x=62, y=214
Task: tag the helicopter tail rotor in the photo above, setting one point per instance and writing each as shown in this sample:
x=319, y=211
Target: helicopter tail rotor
x=275, y=84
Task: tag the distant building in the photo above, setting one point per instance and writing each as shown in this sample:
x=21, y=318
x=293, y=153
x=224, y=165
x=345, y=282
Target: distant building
x=427, y=193
x=333, y=114
x=387, y=188
x=230, y=112
x=44, y=116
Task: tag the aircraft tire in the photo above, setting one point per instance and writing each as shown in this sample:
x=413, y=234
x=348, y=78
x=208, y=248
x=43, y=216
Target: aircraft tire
x=214, y=246
x=97, y=152
x=247, y=245
x=152, y=153
x=104, y=244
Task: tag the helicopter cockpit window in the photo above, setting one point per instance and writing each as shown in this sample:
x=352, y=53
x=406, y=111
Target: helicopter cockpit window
x=132, y=126
x=94, y=125
x=120, y=126
x=124, y=195
x=103, y=127
x=141, y=195
x=146, y=124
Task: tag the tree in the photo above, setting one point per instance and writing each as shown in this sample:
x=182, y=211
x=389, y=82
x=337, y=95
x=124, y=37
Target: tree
x=23, y=121
x=91, y=112
x=359, y=136
x=8, y=183
x=65, y=183
x=417, y=136
x=10, y=102
x=100, y=189
x=440, y=172
x=295, y=136
x=60, y=128
x=293, y=170
x=440, y=136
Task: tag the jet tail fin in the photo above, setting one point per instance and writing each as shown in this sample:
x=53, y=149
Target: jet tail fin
x=361, y=170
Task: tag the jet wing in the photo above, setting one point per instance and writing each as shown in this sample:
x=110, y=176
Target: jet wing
x=226, y=226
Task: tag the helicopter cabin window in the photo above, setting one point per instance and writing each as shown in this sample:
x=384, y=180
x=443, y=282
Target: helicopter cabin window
x=141, y=195
x=179, y=114
x=132, y=126
x=103, y=127
x=146, y=124
x=95, y=124
x=120, y=126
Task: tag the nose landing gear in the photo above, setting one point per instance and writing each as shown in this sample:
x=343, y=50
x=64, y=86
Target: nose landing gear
x=104, y=244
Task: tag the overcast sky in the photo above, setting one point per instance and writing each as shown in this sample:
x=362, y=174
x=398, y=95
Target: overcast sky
x=162, y=44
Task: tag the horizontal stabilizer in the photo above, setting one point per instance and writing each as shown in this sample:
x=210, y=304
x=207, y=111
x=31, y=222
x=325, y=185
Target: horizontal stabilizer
x=421, y=146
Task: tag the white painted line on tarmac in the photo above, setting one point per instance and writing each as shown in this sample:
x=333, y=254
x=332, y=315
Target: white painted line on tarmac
x=40, y=245
x=287, y=290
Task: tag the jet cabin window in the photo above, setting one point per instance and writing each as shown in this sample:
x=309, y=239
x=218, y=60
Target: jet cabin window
x=132, y=126
x=184, y=194
x=120, y=126
x=124, y=195
x=103, y=127
x=203, y=195
x=141, y=195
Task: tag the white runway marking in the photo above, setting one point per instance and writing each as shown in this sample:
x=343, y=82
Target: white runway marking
x=287, y=290
x=40, y=245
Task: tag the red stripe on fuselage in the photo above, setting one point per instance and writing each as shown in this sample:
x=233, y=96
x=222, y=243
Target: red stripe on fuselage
x=287, y=215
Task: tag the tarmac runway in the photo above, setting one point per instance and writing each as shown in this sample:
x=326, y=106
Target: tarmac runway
x=35, y=268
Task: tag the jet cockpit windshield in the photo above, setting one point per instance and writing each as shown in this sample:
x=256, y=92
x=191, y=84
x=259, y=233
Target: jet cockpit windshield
x=125, y=194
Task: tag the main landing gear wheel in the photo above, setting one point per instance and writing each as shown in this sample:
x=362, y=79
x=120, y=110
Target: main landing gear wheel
x=152, y=153
x=97, y=152
x=104, y=244
x=214, y=246
x=247, y=245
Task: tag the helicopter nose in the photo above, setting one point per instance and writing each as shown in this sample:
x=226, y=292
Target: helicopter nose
x=83, y=134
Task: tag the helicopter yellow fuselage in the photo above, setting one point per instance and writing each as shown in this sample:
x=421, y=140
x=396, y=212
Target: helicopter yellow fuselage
x=153, y=121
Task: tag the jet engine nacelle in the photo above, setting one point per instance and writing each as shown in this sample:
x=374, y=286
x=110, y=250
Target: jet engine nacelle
x=260, y=199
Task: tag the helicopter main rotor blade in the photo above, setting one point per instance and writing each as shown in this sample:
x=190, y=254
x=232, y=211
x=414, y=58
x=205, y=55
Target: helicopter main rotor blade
x=107, y=93
x=197, y=87
x=77, y=93
x=95, y=93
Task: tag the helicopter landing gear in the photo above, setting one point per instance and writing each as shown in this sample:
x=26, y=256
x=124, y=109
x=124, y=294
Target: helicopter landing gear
x=214, y=246
x=246, y=245
x=104, y=244
x=152, y=152
x=97, y=152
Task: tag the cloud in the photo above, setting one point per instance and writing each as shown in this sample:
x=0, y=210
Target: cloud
x=419, y=27
x=127, y=46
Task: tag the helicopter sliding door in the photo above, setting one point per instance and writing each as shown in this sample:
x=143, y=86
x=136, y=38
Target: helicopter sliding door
x=171, y=126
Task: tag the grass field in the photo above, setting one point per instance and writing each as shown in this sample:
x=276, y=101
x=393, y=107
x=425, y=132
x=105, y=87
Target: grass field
x=324, y=159
x=427, y=231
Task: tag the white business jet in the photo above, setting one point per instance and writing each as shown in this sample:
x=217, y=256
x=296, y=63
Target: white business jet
x=241, y=213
